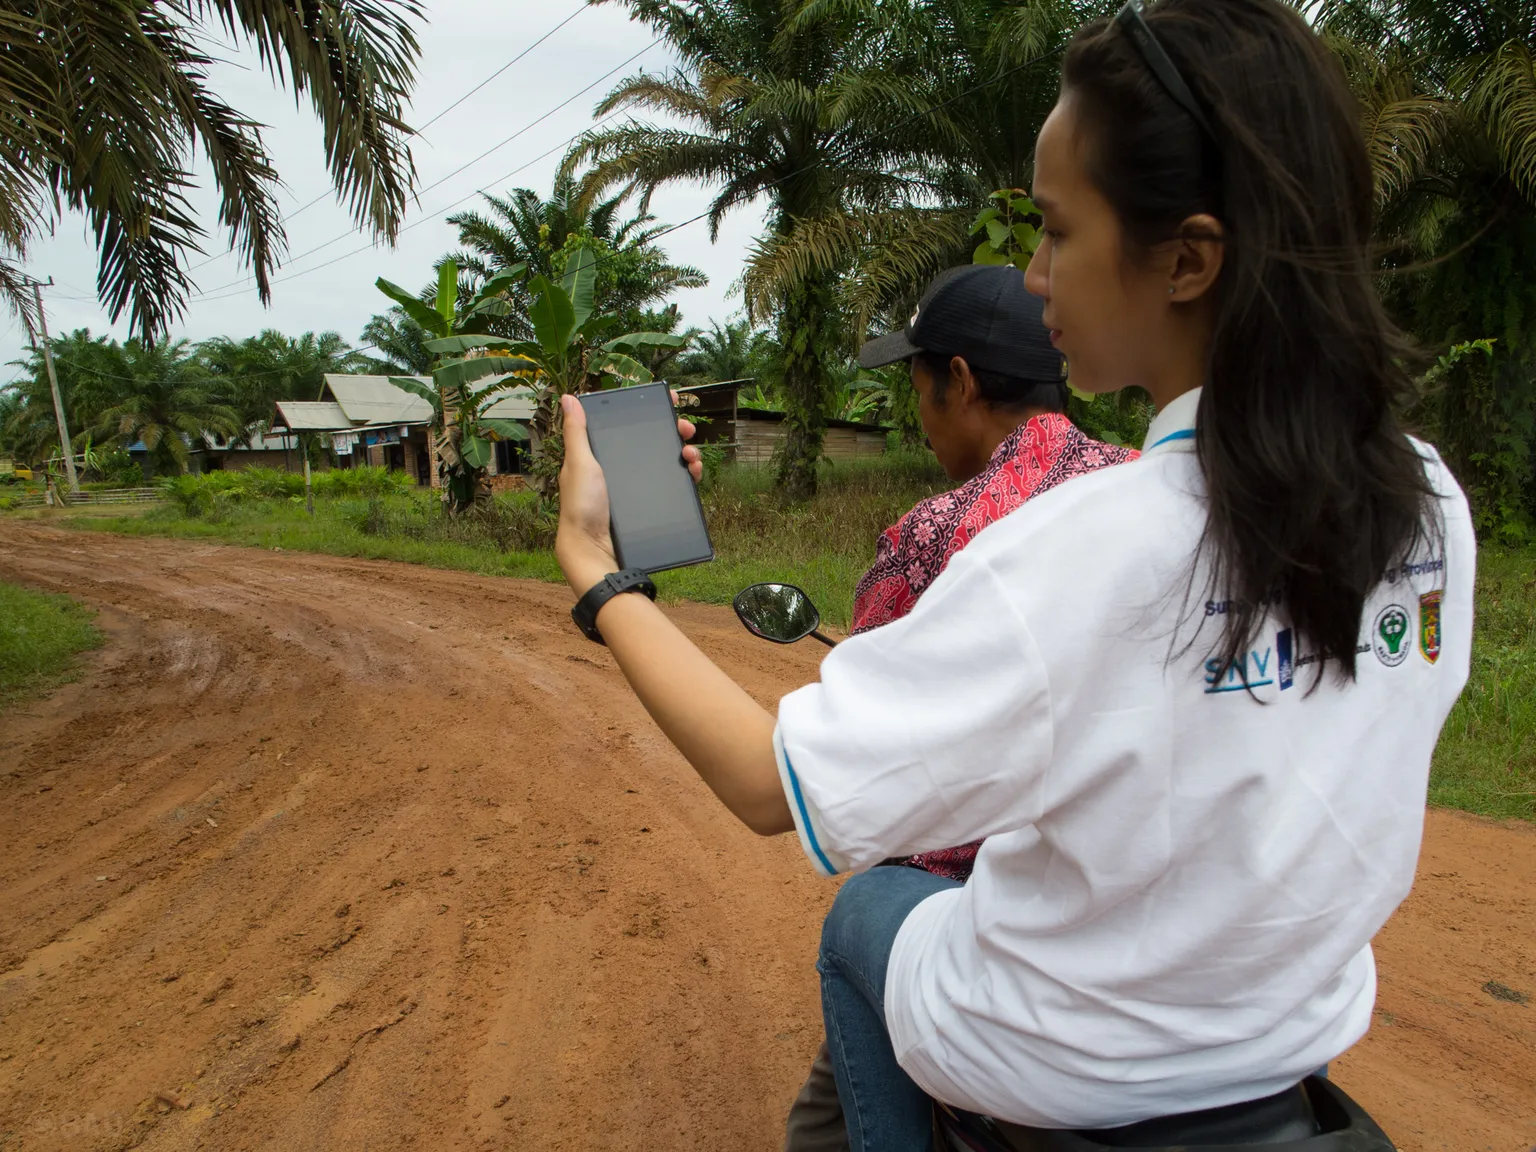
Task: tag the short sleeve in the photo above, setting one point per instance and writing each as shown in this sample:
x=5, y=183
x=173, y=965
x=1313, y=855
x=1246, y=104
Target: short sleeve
x=932, y=731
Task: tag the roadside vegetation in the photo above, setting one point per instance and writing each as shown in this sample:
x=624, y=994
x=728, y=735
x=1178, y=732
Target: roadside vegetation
x=40, y=636
x=824, y=544
x=1486, y=762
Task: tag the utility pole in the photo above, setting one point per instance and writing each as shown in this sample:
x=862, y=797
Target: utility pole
x=58, y=401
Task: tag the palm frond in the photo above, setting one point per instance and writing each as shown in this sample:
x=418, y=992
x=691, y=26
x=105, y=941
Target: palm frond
x=1501, y=92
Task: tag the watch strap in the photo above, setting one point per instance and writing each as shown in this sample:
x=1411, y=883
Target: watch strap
x=586, y=609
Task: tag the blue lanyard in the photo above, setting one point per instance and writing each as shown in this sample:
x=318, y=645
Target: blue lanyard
x=1181, y=434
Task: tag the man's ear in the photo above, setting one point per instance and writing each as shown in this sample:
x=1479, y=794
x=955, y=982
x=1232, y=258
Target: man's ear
x=962, y=383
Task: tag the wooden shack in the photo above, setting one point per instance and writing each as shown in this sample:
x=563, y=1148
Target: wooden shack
x=752, y=436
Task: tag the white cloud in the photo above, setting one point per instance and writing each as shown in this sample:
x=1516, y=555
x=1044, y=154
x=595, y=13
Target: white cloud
x=464, y=42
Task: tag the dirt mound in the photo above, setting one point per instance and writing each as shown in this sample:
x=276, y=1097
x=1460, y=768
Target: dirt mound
x=328, y=853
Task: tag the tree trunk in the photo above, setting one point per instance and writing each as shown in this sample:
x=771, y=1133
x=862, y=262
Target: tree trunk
x=546, y=445
x=808, y=332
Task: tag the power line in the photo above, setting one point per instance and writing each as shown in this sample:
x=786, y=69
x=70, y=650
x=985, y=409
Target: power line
x=421, y=132
x=666, y=231
x=428, y=219
x=580, y=8
x=214, y=378
x=913, y=119
x=242, y=283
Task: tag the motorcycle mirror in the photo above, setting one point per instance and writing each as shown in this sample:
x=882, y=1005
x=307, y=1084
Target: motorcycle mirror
x=779, y=612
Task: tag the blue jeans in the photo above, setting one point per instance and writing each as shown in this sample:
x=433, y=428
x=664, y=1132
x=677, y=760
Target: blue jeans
x=885, y=1110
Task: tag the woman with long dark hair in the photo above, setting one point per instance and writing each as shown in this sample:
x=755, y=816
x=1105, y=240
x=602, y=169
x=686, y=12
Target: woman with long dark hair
x=1191, y=701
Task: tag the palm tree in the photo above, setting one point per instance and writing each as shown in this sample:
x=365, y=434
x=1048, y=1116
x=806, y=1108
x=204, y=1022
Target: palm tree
x=106, y=102
x=1450, y=117
x=767, y=112
x=90, y=370
x=523, y=228
x=166, y=403
x=401, y=343
x=981, y=75
x=736, y=351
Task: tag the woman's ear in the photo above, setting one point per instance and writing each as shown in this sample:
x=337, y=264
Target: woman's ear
x=1198, y=258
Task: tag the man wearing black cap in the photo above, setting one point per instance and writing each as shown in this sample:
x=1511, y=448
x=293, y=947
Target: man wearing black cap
x=992, y=395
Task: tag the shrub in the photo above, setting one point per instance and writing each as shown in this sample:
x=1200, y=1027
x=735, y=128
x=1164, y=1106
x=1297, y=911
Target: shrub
x=116, y=468
x=513, y=522
x=367, y=481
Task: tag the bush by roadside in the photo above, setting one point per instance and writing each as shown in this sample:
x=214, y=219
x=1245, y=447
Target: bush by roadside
x=40, y=634
x=1486, y=761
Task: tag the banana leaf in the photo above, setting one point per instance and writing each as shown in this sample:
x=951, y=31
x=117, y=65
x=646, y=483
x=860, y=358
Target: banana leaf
x=461, y=373
x=476, y=451
x=506, y=429
x=553, y=316
x=463, y=343
x=578, y=283
x=636, y=340
x=448, y=293
x=626, y=368
x=416, y=387
x=414, y=308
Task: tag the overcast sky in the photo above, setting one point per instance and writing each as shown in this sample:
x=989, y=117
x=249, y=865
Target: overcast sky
x=462, y=44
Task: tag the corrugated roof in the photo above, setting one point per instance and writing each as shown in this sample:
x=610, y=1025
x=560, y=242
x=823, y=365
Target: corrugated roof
x=312, y=416
x=374, y=400
x=516, y=404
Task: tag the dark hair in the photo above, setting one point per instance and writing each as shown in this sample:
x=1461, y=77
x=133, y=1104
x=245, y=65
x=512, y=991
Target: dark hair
x=1314, y=491
x=997, y=389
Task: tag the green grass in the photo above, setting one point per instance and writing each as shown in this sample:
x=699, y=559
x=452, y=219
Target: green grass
x=339, y=527
x=40, y=635
x=824, y=546
x=1486, y=761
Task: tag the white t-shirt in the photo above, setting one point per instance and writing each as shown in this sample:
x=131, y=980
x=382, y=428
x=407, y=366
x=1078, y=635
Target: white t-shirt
x=1174, y=905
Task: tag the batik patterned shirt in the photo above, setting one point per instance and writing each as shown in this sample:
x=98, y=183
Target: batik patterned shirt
x=1040, y=454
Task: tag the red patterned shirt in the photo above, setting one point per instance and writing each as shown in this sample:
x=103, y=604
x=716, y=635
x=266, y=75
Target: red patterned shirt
x=1040, y=454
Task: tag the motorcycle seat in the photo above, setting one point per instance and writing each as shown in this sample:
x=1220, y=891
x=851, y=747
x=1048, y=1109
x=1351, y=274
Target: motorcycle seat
x=1314, y=1116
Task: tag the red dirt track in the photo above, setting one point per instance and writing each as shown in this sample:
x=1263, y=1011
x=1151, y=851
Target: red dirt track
x=339, y=854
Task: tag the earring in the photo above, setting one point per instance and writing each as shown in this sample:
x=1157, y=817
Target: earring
x=1170, y=289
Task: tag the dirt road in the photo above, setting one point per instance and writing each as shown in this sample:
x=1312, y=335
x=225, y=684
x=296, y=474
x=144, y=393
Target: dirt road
x=332, y=854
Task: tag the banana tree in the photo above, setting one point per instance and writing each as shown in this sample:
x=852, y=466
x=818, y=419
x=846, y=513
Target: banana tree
x=462, y=432
x=568, y=354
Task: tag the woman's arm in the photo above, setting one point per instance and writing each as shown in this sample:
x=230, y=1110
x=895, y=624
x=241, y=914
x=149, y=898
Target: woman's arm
x=725, y=734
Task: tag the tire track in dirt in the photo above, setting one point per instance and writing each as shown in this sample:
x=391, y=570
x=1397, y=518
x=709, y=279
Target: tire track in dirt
x=350, y=854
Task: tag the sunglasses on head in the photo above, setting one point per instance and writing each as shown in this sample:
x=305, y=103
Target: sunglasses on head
x=1130, y=21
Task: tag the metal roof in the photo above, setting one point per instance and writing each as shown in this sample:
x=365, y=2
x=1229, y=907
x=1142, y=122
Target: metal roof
x=373, y=400
x=313, y=416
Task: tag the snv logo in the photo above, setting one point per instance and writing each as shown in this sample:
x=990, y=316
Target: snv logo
x=1254, y=669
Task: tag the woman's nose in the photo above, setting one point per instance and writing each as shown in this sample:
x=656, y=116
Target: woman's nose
x=1037, y=276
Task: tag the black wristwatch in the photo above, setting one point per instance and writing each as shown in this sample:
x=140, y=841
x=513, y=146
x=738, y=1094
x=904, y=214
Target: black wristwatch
x=585, y=612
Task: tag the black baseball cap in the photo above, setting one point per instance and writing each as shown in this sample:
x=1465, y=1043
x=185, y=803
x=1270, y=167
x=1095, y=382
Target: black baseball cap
x=983, y=314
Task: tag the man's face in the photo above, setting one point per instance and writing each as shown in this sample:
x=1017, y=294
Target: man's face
x=950, y=433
